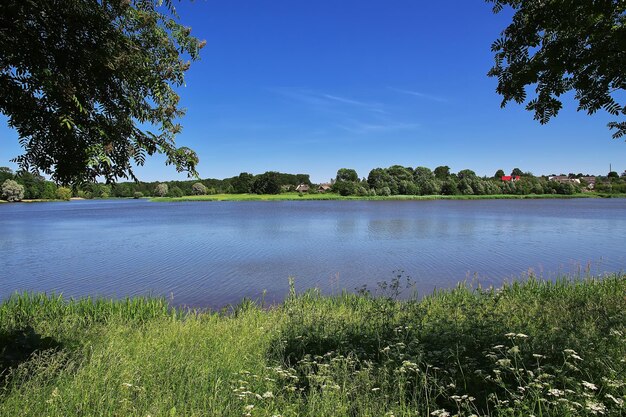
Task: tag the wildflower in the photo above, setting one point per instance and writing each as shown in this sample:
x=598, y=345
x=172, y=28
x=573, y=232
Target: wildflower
x=510, y=335
x=575, y=356
x=514, y=350
x=538, y=356
x=589, y=385
x=249, y=407
x=268, y=394
x=555, y=392
x=498, y=347
x=617, y=401
x=375, y=389
x=570, y=352
x=127, y=385
x=521, y=336
x=504, y=362
x=440, y=413
x=595, y=408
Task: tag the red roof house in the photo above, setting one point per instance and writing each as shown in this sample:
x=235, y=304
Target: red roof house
x=510, y=178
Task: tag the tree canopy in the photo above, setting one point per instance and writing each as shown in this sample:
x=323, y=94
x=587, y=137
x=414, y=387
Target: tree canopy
x=561, y=46
x=89, y=85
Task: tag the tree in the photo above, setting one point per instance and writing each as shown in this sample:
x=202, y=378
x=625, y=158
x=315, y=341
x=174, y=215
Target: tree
x=559, y=46
x=82, y=81
x=442, y=172
x=346, y=174
x=346, y=182
x=466, y=173
x=266, y=183
x=517, y=172
x=137, y=195
x=64, y=193
x=12, y=191
x=499, y=174
x=176, y=192
x=198, y=188
x=161, y=190
x=243, y=183
x=613, y=174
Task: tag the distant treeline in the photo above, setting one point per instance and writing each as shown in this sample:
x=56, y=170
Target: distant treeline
x=395, y=180
x=37, y=187
x=399, y=180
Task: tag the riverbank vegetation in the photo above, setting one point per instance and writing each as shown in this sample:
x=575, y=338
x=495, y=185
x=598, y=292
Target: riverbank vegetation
x=529, y=348
x=333, y=196
x=396, y=181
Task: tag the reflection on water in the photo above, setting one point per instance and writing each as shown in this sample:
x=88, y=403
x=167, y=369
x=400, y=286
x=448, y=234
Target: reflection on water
x=216, y=253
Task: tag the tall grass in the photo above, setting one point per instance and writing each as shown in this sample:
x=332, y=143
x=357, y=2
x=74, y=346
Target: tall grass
x=529, y=348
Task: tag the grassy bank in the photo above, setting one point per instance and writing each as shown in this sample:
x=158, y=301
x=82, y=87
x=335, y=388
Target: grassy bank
x=533, y=348
x=331, y=196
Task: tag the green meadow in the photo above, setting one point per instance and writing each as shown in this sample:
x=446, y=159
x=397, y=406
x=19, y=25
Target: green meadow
x=529, y=348
x=333, y=196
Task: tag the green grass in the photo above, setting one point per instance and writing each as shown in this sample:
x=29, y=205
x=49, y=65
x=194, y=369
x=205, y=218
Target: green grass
x=332, y=196
x=530, y=348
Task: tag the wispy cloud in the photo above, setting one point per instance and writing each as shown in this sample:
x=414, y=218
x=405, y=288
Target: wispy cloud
x=420, y=95
x=380, y=127
x=325, y=101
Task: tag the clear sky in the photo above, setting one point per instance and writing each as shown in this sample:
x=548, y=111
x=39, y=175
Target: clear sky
x=314, y=86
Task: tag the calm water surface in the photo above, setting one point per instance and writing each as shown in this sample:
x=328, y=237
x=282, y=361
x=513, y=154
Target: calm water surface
x=212, y=254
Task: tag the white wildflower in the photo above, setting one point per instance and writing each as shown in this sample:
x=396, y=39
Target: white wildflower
x=440, y=413
x=617, y=401
x=595, y=408
x=589, y=385
x=268, y=394
x=555, y=392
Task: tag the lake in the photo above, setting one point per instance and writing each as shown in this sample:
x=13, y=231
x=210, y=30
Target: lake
x=215, y=253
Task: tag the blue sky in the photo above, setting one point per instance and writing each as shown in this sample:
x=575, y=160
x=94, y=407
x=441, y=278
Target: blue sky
x=311, y=87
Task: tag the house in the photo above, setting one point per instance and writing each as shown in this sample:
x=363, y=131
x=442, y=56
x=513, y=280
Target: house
x=302, y=188
x=324, y=187
x=510, y=178
x=591, y=182
x=564, y=179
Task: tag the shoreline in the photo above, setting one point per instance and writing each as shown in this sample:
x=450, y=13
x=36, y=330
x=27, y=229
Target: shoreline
x=336, y=197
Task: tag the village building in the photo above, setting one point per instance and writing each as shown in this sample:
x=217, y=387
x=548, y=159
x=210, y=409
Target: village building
x=510, y=178
x=564, y=179
x=324, y=187
x=302, y=188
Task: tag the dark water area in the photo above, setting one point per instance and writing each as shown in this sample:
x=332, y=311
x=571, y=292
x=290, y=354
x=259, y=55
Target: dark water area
x=210, y=254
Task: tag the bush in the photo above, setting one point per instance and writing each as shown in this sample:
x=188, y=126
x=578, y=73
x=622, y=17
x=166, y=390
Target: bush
x=161, y=190
x=176, y=192
x=12, y=191
x=64, y=193
x=199, y=189
x=138, y=195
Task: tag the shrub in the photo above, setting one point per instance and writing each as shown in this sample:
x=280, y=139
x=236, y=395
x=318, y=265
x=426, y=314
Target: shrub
x=137, y=195
x=12, y=191
x=161, y=190
x=199, y=189
x=64, y=193
x=176, y=192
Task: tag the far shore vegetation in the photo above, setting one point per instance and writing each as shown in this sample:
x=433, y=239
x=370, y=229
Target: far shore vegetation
x=529, y=348
x=396, y=183
x=333, y=196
